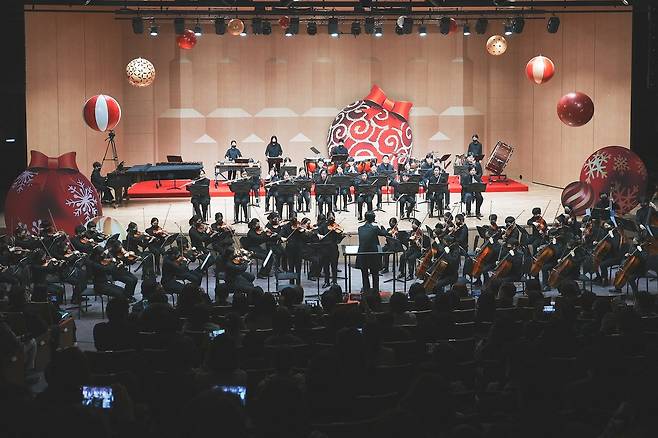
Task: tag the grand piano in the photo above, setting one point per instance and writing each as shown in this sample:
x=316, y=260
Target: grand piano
x=123, y=177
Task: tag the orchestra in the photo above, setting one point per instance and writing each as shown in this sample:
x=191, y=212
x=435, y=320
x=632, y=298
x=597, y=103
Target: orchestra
x=434, y=253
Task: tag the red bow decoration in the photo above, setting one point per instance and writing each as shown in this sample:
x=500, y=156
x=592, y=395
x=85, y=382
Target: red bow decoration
x=42, y=161
x=400, y=108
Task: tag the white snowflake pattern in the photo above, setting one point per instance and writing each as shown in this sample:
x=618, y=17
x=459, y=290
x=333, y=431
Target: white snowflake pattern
x=36, y=226
x=620, y=164
x=626, y=198
x=23, y=181
x=83, y=200
x=595, y=166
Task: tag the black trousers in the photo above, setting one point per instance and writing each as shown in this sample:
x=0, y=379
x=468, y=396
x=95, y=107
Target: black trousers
x=366, y=273
x=109, y=289
x=304, y=197
x=231, y=174
x=408, y=259
x=363, y=199
x=76, y=277
x=468, y=199
x=200, y=209
x=127, y=278
x=330, y=263
x=325, y=200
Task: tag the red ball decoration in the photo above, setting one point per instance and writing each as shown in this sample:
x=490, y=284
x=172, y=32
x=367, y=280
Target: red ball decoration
x=332, y=168
x=575, y=109
x=53, y=189
x=373, y=127
x=284, y=22
x=187, y=40
x=311, y=167
x=540, y=69
x=618, y=171
x=578, y=195
x=101, y=113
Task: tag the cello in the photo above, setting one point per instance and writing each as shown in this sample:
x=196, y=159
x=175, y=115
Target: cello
x=631, y=265
x=564, y=265
x=439, y=268
x=484, y=252
x=504, y=266
x=544, y=255
x=425, y=262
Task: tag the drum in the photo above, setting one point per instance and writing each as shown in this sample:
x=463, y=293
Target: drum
x=311, y=165
x=499, y=158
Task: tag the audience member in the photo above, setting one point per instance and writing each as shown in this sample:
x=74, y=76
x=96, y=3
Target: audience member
x=118, y=333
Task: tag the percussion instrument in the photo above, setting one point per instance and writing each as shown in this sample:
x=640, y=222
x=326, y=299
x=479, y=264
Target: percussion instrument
x=499, y=158
x=311, y=165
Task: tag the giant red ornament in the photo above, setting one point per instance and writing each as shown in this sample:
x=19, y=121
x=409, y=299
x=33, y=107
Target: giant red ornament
x=101, y=112
x=578, y=195
x=453, y=25
x=540, y=69
x=186, y=40
x=374, y=127
x=51, y=188
x=618, y=171
x=575, y=109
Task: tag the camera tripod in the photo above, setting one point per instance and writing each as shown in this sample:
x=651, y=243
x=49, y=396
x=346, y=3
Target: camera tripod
x=112, y=144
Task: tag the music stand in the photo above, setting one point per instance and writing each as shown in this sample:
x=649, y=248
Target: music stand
x=460, y=170
x=388, y=174
x=287, y=189
x=292, y=170
x=174, y=159
x=378, y=181
x=342, y=181
x=474, y=188
x=350, y=251
x=241, y=187
x=442, y=189
x=325, y=190
x=408, y=188
x=339, y=159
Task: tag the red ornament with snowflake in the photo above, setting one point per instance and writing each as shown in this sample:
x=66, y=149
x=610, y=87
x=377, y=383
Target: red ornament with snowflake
x=374, y=127
x=618, y=171
x=51, y=189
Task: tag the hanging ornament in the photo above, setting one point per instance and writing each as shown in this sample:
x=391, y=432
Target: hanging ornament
x=140, y=72
x=579, y=195
x=540, y=69
x=187, y=40
x=101, y=113
x=400, y=21
x=284, y=22
x=235, y=26
x=453, y=26
x=496, y=45
x=575, y=109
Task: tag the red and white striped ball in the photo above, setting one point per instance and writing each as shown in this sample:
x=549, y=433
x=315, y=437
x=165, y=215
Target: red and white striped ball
x=101, y=113
x=579, y=195
x=540, y=69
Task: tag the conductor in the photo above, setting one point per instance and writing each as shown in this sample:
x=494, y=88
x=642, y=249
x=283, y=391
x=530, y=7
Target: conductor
x=369, y=264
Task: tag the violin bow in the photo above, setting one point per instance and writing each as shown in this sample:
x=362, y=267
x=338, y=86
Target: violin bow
x=166, y=217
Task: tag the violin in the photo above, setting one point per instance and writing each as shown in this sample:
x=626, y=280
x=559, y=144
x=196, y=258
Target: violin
x=335, y=228
x=159, y=232
x=182, y=260
x=243, y=256
x=541, y=225
x=417, y=237
x=128, y=256
x=108, y=261
x=51, y=261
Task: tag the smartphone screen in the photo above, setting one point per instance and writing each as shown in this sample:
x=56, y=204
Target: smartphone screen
x=52, y=299
x=240, y=391
x=549, y=309
x=213, y=334
x=100, y=397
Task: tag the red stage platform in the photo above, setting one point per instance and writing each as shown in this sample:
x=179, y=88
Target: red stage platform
x=151, y=189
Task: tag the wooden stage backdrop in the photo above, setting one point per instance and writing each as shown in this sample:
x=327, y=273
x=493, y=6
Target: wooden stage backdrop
x=249, y=88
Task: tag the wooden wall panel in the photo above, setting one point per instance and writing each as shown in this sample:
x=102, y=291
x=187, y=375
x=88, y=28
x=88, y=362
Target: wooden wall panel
x=226, y=87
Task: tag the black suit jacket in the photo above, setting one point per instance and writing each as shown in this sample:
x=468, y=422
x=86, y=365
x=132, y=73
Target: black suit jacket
x=369, y=242
x=475, y=148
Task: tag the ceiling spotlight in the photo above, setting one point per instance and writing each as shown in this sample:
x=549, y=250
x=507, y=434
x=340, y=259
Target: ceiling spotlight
x=153, y=31
x=422, y=30
x=293, y=26
x=138, y=25
x=444, y=25
x=467, y=30
x=179, y=25
x=288, y=32
x=311, y=28
x=508, y=30
x=244, y=32
x=220, y=26
x=370, y=25
x=378, y=31
x=399, y=30
x=266, y=28
x=197, y=30
x=481, y=26
x=553, y=24
x=333, y=27
x=518, y=24
x=624, y=2
x=356, y=28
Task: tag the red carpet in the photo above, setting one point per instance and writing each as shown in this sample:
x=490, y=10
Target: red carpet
x=148, y=189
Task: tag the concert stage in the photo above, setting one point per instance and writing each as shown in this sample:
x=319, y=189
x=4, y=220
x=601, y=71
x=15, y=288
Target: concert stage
x=177, y=188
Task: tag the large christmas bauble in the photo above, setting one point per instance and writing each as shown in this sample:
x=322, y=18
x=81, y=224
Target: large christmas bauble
x=575, y=109
x=187, y=40
x=496, y=45
x=619, y=172
x=540, y=69
x=578, y=195
x=236, y=26
x=140, y=72
x=374, y=127
x=51, y=189
x=101, y=112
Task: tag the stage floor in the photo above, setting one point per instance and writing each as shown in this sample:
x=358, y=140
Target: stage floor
x=175, y=212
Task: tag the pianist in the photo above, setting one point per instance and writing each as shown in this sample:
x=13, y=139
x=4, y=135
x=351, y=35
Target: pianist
x=100, y=182
x=232, y=153
x=273, y=150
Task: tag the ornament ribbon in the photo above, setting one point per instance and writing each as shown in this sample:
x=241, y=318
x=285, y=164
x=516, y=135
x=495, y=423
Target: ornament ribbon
x=400, y=108
x=65, y=161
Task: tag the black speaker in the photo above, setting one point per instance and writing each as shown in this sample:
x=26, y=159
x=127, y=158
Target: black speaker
x=481, y=26
x=220, y=26
x=652, y=46
x=179, y=26
x=444, y=25
x=257, y=25
x=518, y=24
x=138, y=25
x=311, y=28
x=407, y=25
x=267, y=27
x=294, y=25
x=369, y=25
x=553, y=24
